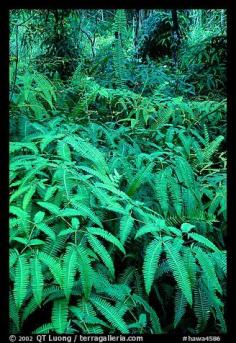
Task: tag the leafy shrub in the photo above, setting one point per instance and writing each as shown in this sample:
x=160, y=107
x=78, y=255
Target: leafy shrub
x=79, y=208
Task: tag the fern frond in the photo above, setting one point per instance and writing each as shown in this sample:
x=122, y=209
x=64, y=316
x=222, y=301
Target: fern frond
x=110, y=313
x=69, y=270
x=44, y=329
x=21, y=282
x=60, y=315
x=150, y=228
x=37, y=281
x=150, y=264
x=28, y=196
x=50, y=207
x=161, y=183
x=207, y=268
x=180, y=306
x=101, y=251
x=85, y=211
x=139, y=179
x=203, y=240
x=156, y=327
x=179, y=270
x=84, y=266
x=107, y=236
x=201, y=305
x=87, y=151
x=14, y=312
x=126, y=226
x=211, y=148
x=53, y=264
x=46, y=229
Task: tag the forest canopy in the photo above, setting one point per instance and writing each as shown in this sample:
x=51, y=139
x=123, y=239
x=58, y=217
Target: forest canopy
x=117, y=171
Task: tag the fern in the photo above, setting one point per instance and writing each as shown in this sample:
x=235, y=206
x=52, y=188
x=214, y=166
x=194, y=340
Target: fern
x=151, y=259
x=156, y=328
x=60, y=315
x=102, y=253
x=203, y=240
x=37, y=281
x=107, y=236
x=85, y=270
x=180, y=307
x=109, y=312
x=126, y=225
x=201, y=305
x=21, y=283
x=179, y=270
x=44, y=329
x=53, y=264
x=208, y=268
x=69, y=270
x=139, y=179
x=150, y=228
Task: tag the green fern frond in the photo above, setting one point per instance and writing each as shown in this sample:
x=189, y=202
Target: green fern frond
x=207, y=268
x=85, y=211
x=60, y=315
x=103, y=254
x=211, y=148
x=150, y=228
x=139, y=179
x=18, y=193
x=175, y=195
x=203, y=240
x=16, y=146
x=126, y=226
x=69, y=270
x=109, y=312
x=180, y=306
x=150, y=264
x=63, y=151
x=156, y=327
x=201, y=305
x=46, y=229
x=50, y=207
x=85, y=269
x=179, y=270
x=107, y=236
x=88, y=151
x=37, y=281
x=161, y=189
x=28, y=196
x=21, y=281
x=44, y=329
x=53, y=264
x=14, y=312
x=13, y=257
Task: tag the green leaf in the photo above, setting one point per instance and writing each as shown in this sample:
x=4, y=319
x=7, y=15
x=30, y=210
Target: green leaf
x=150, y=264
x=37, y=279
x=60, y=315
x=69, y=270
x=50, y=207
x=205, y=241
x=110, y=313
x=38, y=218
x=150, y=228
x=103, y=254
x=21, y=280
x=126, y=225
x=107, y=236
x=179, y=270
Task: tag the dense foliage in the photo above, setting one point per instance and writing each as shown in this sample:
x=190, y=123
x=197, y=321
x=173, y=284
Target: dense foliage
x=117, y=172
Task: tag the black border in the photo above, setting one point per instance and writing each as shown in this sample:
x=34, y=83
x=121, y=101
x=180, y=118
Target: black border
x=4, y=134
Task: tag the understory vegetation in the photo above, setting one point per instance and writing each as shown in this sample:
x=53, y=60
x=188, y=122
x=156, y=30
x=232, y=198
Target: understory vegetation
x=117, y=171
